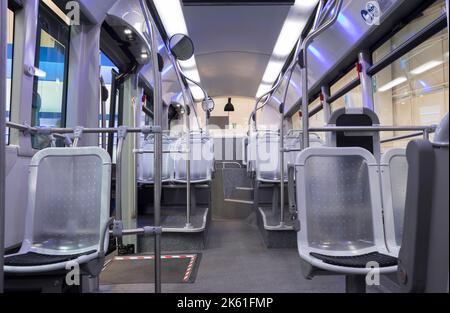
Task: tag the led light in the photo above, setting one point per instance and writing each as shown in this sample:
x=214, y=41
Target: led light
x=286, y=41
x=144, y=55
x=172, y=17
x=426, y=67
x=292, y=28
x=392, y=84
x=128, y=31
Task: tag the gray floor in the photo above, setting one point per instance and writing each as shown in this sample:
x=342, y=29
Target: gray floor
x=237, y=261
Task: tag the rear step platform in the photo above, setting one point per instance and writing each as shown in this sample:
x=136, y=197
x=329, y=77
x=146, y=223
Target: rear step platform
x=274, y=235
x=176, y=235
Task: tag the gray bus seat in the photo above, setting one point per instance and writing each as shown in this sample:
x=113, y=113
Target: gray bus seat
x=424, y=253
x=340, y=212
x=67, y=213
x=201, y=156
x=394, y=178
x=146, y=161
x=363, y=117
x=294, y=142
x=267, y=158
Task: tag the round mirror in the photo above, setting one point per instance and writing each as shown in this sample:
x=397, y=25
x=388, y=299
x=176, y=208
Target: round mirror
x=181, y=46
x=208, y=105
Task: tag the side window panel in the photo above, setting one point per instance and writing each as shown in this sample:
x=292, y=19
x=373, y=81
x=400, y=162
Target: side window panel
x=50, y=88
x=9, y=65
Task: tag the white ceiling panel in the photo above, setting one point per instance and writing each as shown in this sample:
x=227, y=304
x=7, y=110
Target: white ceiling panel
x=233, y=45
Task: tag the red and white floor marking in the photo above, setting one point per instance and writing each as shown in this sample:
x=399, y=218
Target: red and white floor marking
x=187, y=274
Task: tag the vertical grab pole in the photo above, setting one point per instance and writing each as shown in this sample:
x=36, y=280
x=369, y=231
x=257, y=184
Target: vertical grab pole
x=3, y=25
x=365, y=60
x=282, y=161
x=157, y=100
x=103, y=111
x=303, y=62
x=187, y=124
x=326, y=109
x=447, y=8
x=121, y=134
x=282, y=147
x=326, y=103
x=305, y=103
x=282, y=224
x=188, y=169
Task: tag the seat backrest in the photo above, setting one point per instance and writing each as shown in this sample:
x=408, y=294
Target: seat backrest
x=267, y=157
x=339, y=201
x=295, y=142
x=145, y=160
x=251, y=152
x=201, y=158
x=292, y=142
x=367, y=140
x=394, y=179
x=424, y=253
x=68, y=200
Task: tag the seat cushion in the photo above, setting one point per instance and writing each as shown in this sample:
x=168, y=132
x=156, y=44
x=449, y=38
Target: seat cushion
x=357, y=261
x=36, y=259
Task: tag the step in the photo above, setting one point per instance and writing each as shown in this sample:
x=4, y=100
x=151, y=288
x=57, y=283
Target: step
x=176, y=235
x=239, y=201
x=274, y=235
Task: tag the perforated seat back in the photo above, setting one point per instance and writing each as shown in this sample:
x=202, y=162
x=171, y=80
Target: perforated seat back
x=394, y=174
x=202, y=159
x=367, y=140
x=68, y=200
x=292, y=143
x=268, y=157
x=251, y=152
x=295, y=142
x=146, y=160
x=339, y=210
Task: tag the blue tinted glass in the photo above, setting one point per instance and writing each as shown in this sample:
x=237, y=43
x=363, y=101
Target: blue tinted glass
x=10, y=47
x=106, y=68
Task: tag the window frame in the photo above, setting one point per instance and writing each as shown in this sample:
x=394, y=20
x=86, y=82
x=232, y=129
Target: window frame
x=12, y=9
x=53, y=19
x=382, y=65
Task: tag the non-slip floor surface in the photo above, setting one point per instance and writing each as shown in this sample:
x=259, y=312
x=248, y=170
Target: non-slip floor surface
x=175, y=268
x=176, y=218
x=236, y=260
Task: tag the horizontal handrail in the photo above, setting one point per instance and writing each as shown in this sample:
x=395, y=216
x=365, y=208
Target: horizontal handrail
x=98, y=130
x=372, y=128
x=143, y=151
x=344, y=90
x=413, y=135
x=431, y=29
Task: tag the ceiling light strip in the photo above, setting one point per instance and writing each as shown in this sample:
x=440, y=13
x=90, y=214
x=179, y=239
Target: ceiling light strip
x=172, y=17
x=291, y=31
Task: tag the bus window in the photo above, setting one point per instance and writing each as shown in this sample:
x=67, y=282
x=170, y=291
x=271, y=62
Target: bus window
x=49, y=95
x=106, y=68
x=414, y=89
x=353, y=99
x=10, y=41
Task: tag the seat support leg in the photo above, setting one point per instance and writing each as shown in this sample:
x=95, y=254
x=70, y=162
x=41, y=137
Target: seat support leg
x=355, y=284
x=275, y=199
x=193, y=198
x=255, y=195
